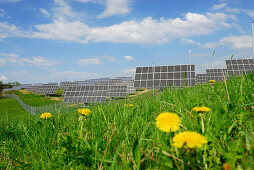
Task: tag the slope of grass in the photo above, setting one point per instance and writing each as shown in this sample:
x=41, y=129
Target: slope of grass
x=34, y=99
x=119, y=137
x=10, y=109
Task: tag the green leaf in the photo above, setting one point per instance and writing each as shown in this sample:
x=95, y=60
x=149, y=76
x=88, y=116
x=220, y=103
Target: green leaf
x=136, y=152
x=213, y=52
x=231, y=56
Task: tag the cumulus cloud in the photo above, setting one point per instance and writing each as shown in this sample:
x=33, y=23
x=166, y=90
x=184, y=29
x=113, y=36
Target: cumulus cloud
x=3, y=78
x=7, y=30
x=128, y=58
x=44, y=11
x=219, y=6
x=115, y=7
x=237, y=42
x=251, y=13
x=146, y=31
x=90, y=61
x=206, y=45
x=31, y=61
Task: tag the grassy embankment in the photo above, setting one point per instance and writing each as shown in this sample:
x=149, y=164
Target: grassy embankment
x=115, y=136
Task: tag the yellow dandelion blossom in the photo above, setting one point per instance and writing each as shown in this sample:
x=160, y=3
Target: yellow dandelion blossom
x=191, y=139
x=211, y=81
x=130, y=105
x=168, y=122
x=226, y=166
x=45, y=115
x=201, y=109
x=84, y=112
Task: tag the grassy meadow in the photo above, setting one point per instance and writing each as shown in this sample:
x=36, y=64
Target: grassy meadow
x=119, y=136
x=35, y=100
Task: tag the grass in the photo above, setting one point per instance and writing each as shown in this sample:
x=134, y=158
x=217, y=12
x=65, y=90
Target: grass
x=10, y=109
x=34, y=99
x=114, y=136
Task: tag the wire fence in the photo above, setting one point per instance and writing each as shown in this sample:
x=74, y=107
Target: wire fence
x=52, y=108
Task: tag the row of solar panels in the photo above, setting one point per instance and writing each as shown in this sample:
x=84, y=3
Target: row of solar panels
x=97, y=90
x=234, y=67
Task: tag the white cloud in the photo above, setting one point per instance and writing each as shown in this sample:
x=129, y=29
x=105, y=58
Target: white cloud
x=115, y=7
x=233, y=10
x=37, y=61
x=31, y=61
x=2, y=13
x=7, y=30
x=44, y=11
x=128, y=58
x=131, y=70
x=210, y=45
x=89, y=61
x=3, y=78
x=63, y=11
x=219, y=6
x=251, y=14
x=61, y=30
x=2, y=62
x=206, y=45
x=110, y=58
x=237, y=42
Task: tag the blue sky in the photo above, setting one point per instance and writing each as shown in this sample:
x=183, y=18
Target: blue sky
x=61, y=40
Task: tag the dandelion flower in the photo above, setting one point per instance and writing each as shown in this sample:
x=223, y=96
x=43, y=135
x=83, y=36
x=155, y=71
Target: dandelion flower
x=168, y=122
x=211, y=81
x=84, y=112
x=201, y=109
x=129, y=105
x=226, y=166
x=45, y=115
x=191, y=139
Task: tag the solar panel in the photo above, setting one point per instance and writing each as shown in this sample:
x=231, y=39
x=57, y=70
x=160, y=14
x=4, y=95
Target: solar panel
x=49, y=88
x=91, y=81
x=86, y=94
x=164, y=76
x=116, y=88
x=239, y=66
x=216, y=74
x=34, y=87
x=201, y=78
x=65, y=84
x=129, y=82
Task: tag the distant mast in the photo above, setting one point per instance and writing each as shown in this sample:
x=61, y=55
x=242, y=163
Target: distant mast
x=252, y=23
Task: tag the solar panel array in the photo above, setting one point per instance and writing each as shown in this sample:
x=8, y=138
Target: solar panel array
x=49, y=88
x=216, y=74
x=66, y=84
x=91, y=81
x=130, y=86
x=239, y=66
x=201, y=78
x=116, y=88
x=86, y=94
x=164, y=76
x=34, y=87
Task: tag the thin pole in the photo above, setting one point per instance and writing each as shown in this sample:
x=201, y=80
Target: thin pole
x=252, y=25
x=153, y=76
x=190, y=66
